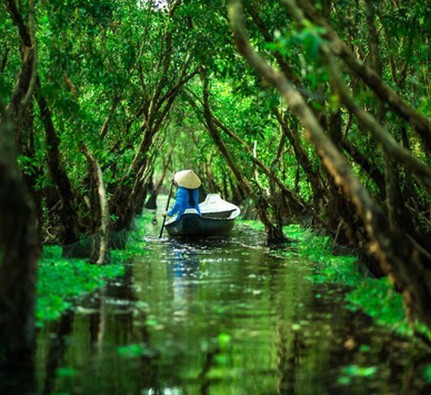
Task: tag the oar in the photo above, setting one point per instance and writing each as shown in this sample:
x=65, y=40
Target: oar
x=167, y=206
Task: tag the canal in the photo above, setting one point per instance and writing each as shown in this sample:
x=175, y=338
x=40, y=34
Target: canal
x=222, y=317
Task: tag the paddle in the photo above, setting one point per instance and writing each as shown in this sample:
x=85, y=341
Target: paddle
x=167, y=206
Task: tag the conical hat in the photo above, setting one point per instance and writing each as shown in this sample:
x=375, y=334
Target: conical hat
x=187, y=179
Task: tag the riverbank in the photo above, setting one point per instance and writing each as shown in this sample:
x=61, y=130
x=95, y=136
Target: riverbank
x=62, y=280
x=229, y=308
x=375, y=297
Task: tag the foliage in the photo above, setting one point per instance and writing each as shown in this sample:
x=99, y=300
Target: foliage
x=104, y=63
x=136, y=238
x=427, y=374
x=375, y=297
x=332, y=268
x=65, y=372
x=256, y=225
x=61, y=280
x=378, y=298
x=352, y=371
x=134, y=351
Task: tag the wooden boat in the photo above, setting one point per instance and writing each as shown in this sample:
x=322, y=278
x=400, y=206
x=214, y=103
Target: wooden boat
x=217, y=219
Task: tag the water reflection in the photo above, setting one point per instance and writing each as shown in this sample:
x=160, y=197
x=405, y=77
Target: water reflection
x=221, y=317
x=55, y=354
x=182, y=273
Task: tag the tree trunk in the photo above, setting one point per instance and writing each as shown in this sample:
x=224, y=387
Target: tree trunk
x=99, y=212
x=313, y=177
x=69, y=212
x=155, y=189
x=399, y=257
x=19, y=244
x=19, y=252
x=130, y=193
x=384, y=92
x=274, y=232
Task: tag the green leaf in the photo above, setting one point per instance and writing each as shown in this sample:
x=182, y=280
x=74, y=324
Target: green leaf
x=427, y=374
x=133, y=350
x=65, y=372
x=358, y=371
x=224, y=341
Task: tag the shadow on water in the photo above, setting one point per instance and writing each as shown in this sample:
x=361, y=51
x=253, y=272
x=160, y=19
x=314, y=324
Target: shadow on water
x=222, y=317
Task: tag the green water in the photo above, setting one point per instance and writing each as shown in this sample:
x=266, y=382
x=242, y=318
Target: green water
x=222, y=317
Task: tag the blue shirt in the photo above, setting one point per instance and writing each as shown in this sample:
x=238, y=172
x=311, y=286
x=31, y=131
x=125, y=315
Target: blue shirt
x=182, y=201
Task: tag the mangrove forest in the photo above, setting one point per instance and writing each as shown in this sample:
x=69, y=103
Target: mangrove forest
x=215, y=197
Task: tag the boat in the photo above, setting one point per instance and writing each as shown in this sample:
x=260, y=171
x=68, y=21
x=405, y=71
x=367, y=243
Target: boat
x=217, y=219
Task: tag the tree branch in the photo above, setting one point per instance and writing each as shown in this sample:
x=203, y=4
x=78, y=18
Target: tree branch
x=420, y=123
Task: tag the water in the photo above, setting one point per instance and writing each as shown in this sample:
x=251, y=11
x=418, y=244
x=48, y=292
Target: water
x=222, y=317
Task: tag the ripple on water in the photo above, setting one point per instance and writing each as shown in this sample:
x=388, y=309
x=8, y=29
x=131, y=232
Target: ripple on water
x=223, y=317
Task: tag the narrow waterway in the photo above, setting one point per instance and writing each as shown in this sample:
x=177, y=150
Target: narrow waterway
x=222, y=317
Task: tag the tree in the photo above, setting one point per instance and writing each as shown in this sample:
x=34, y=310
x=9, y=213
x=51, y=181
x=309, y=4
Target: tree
x=19, y=247
x=399, y=254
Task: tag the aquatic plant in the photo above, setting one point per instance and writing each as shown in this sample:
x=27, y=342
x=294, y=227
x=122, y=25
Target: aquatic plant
x=256, y=225
x=352, y=371
x=61, y=280
x=427, y=374
x=375, y=297
x=134, y=350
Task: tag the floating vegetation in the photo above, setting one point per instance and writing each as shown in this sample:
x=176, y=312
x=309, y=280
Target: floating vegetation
x=375, y=297
x=61, y=280
x=352, y=371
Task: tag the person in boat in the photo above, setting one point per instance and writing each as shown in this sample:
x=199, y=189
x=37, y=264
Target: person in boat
x=187, y=194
